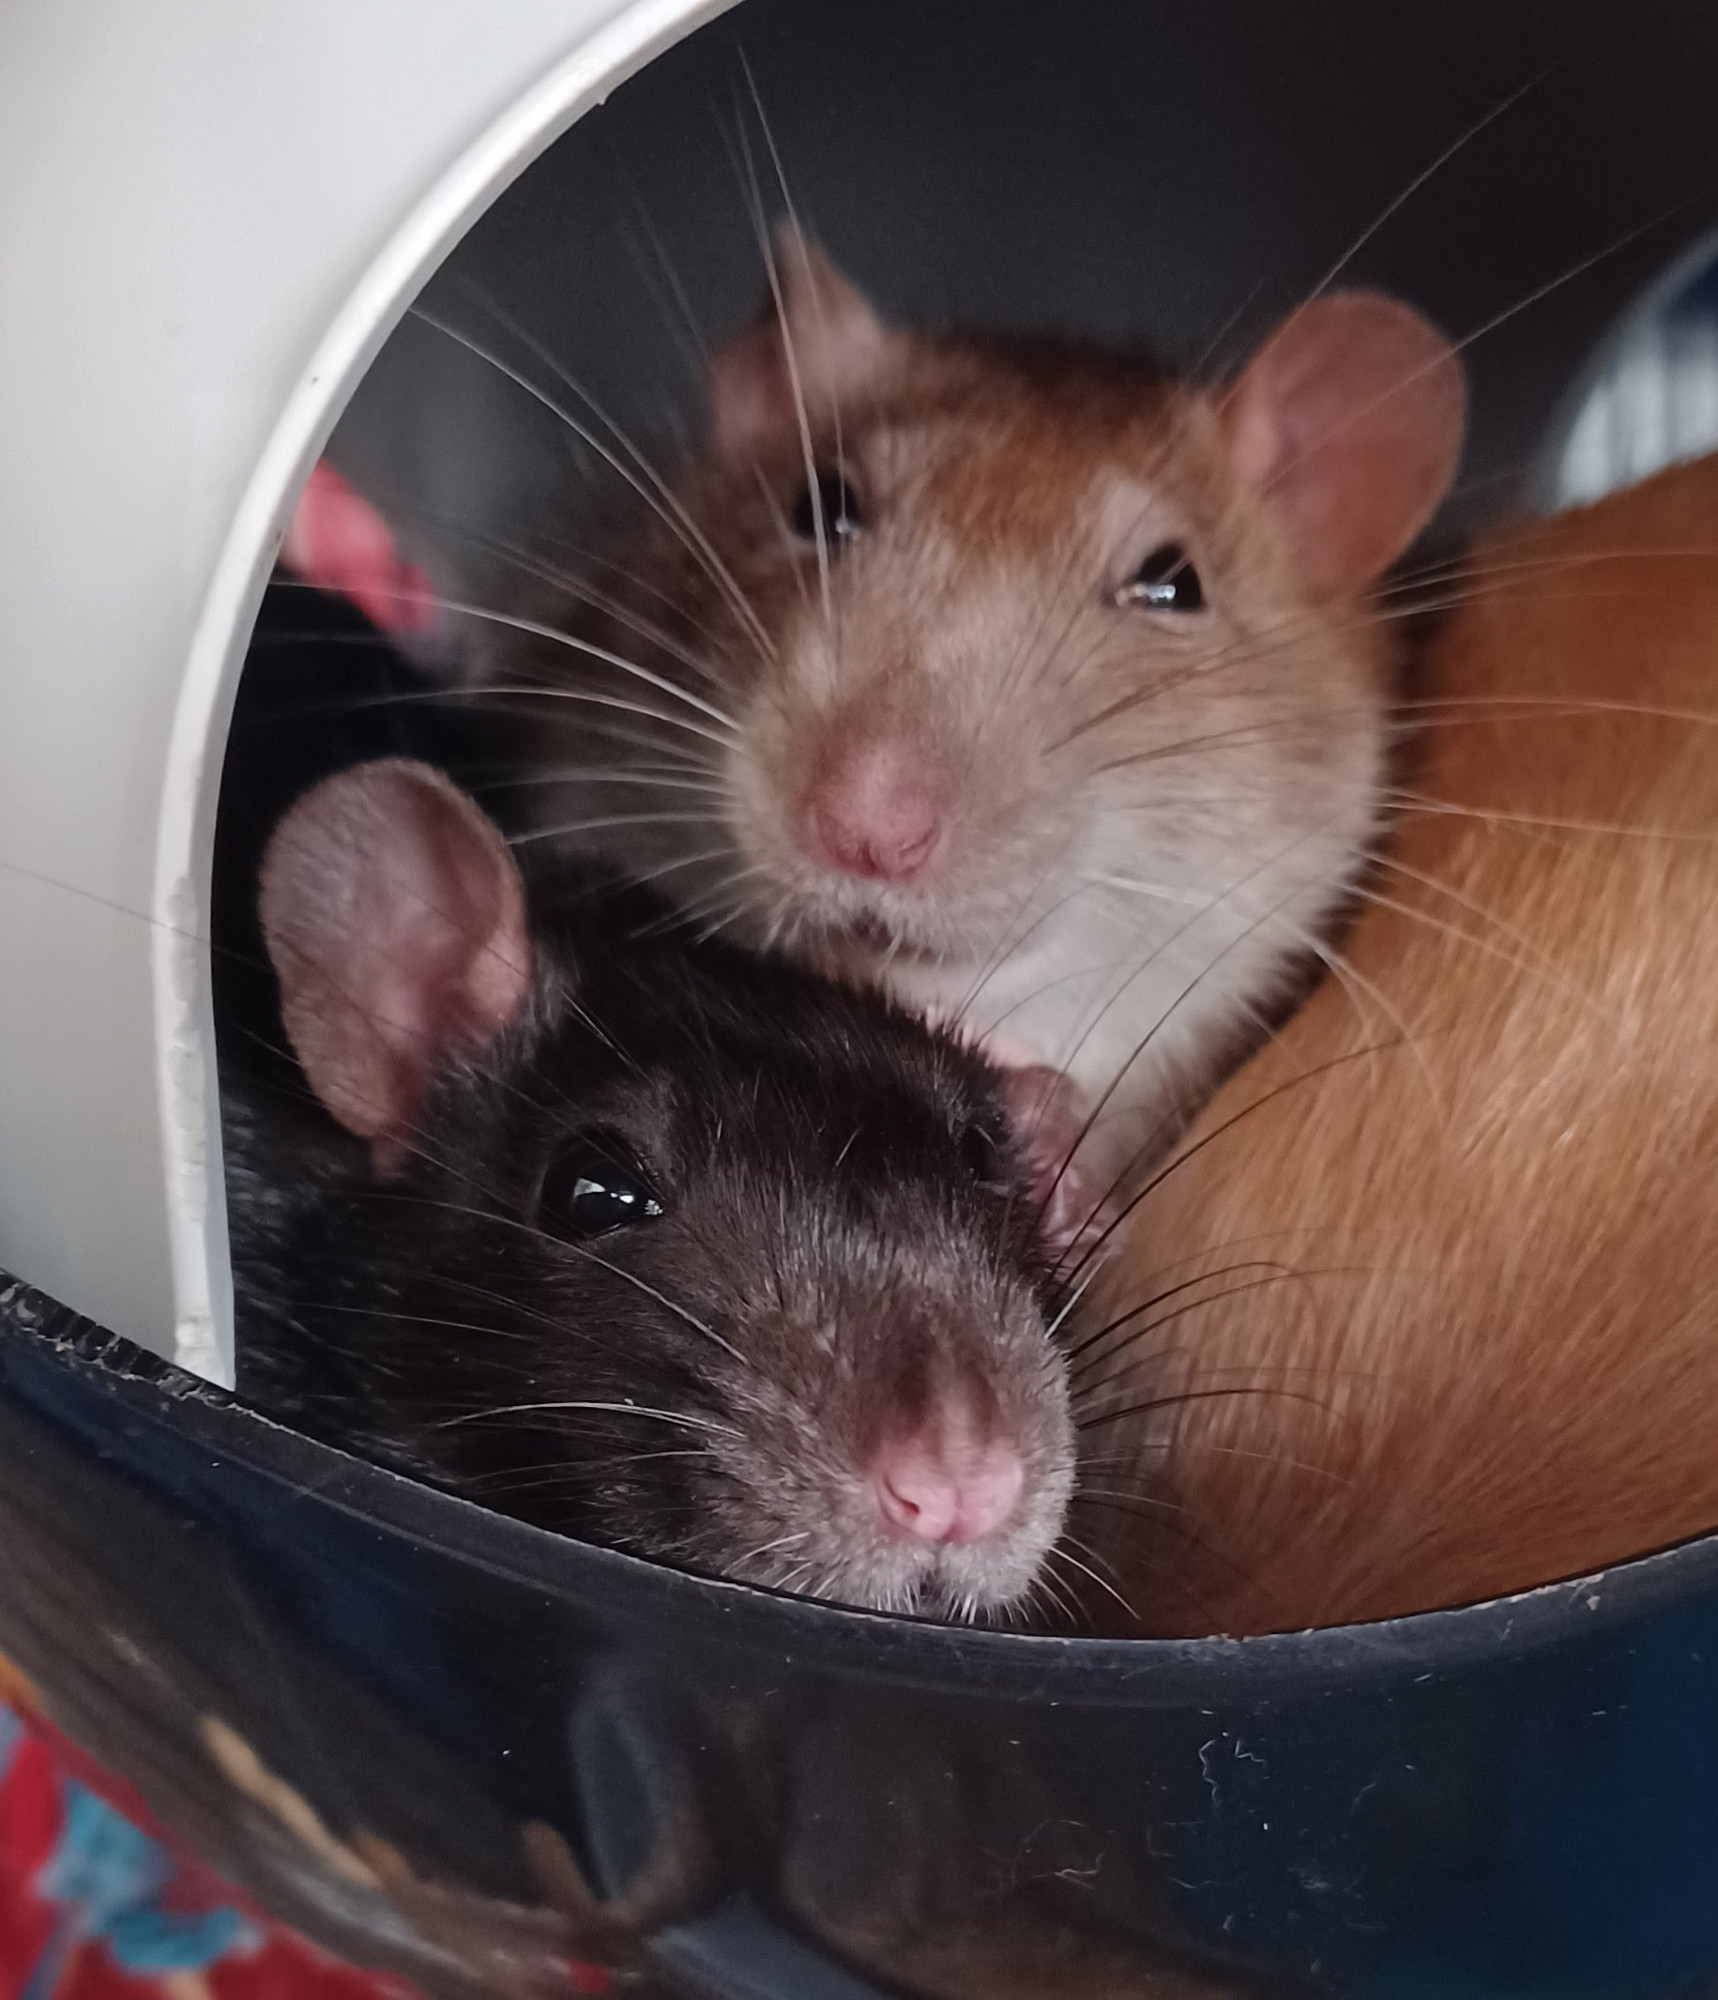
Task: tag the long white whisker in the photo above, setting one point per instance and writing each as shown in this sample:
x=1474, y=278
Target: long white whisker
x=1456, y=145
x=537, y=630
x=690, y=778
x=607, y=825
x=592, y=699
x=668, y=507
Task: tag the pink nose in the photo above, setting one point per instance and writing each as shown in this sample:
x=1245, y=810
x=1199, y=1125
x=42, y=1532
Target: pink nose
x=940, y=1492
x=877, y=813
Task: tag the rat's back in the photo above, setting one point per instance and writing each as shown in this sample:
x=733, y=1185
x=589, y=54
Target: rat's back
x=1453, y=1237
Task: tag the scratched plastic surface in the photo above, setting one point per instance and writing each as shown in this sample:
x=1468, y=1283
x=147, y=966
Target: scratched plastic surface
x=772, y=1799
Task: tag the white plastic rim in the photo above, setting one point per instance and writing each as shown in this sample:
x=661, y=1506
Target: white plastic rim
x=110, y=1195
x=185, y=1080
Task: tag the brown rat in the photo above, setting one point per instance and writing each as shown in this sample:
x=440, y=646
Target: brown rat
x=644, y=1239
x=1439, y=1264
x=1030, y=682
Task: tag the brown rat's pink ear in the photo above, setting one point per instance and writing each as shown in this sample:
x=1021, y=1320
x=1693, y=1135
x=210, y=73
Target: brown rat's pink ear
x=1048, y=1123
x=836, y=343
x=395, y=919
x=1348, y=421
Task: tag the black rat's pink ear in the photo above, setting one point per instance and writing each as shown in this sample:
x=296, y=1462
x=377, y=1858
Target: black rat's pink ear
x=821, y=333
x=1348, y=421
x=394, y=917
x=1048, y=1123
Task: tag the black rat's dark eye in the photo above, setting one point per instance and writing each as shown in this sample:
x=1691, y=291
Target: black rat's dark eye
x=982, y=1154
x=1165, y=581
x=595, y=1185
x=831, y=497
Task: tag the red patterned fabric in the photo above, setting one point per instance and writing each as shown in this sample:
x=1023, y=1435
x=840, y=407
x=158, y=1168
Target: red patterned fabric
x=95, y=1905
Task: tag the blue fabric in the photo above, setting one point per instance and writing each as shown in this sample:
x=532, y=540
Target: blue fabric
x=108, y=1877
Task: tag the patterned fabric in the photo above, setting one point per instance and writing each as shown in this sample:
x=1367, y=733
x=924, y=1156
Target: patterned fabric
x=95, y=1906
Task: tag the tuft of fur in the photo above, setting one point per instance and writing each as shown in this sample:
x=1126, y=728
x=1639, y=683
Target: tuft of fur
x=1445, y=1254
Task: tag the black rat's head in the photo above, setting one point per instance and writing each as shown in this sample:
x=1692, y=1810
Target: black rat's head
x=657, y=1243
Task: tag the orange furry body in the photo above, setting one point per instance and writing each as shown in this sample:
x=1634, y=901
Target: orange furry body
x=1453, y=1236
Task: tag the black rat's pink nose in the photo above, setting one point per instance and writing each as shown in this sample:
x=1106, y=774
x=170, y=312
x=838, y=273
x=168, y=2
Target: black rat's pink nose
x=877, y=813
x=942, y=1486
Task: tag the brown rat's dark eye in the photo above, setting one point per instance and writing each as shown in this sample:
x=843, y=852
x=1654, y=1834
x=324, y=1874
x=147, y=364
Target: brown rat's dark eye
x=1165, y=581
x=594, y=1185
x=831, y=498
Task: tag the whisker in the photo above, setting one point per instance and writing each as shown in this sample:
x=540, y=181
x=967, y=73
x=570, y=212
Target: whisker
x=610, y=1409
x=592, y=699
x=1490, y=326
x=686, y=779
x=1457, y=145
x=575, y=1249
x=581, y=589
x=607, y=825
x=663, y=502
x=1210, y=1138
x=1088, y=1389
x=1161, y=1298
x=1181, y=1396
x=1062, y=1553
x=534, y=628
x=796, y=385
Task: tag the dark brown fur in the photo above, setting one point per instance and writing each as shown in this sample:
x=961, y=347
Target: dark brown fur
x=832, y=1237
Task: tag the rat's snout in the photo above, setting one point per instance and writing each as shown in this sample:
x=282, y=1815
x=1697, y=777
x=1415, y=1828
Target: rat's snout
x=877, y=810
x=946, y=1483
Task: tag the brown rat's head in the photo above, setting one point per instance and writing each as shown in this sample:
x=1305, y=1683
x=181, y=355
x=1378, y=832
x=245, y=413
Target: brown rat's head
x=643, y=1239
x=1028, y=617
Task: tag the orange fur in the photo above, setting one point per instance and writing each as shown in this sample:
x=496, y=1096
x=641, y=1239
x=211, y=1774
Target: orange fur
x=1465, y=1207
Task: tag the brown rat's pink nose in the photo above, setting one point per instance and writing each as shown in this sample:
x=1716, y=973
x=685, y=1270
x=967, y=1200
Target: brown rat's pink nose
x=876, y=813
x=946, y=1490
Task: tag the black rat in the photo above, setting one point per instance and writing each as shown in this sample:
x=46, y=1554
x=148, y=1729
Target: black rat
x=639, y=1237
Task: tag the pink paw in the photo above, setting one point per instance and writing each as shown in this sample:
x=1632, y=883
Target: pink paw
x=339, y=542
x=1075, y=1212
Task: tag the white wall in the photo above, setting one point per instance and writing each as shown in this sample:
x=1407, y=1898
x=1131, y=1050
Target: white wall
x=210, y=213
